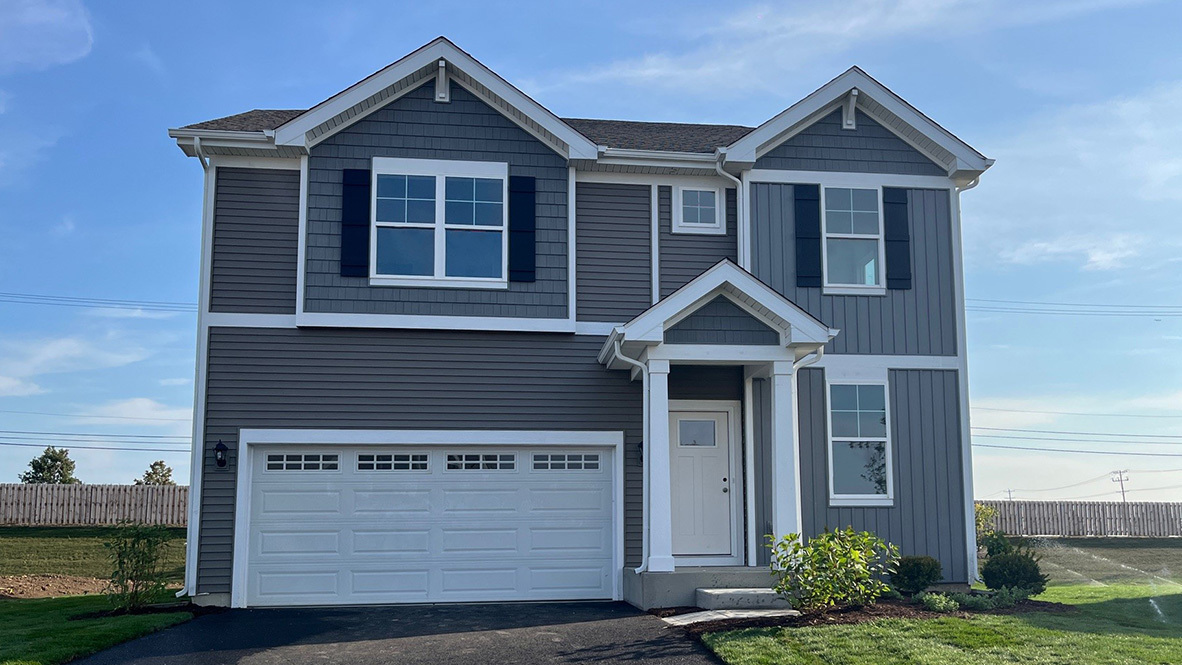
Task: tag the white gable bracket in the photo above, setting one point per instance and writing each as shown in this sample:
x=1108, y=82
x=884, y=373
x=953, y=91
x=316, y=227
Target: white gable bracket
x=442, y=85
x=849, y=116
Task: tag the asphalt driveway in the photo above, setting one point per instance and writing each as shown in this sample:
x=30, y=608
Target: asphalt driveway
x=434, y=634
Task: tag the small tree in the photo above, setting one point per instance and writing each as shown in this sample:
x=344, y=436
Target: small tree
x=985, y=516
x=158, y=473
x=832, y=569
x=137, y=553
x=52, y=467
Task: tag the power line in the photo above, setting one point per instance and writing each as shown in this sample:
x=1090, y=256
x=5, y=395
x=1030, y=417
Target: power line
x=1069, y=450
x=87, y=415
x=1068, y=312
x=1073, y=413
x=1077, y=440
x=1135, y=489
x=95, y=434
x=104, y=303
x=1053, y=431
x=1066, y=487
x=65, y=443
x=137, y=450
x=1067, y=304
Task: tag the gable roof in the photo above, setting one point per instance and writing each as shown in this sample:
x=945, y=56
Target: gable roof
x=257, y=120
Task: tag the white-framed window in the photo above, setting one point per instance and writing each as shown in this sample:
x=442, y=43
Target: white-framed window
x=566, y=461
x=699, y=210
x=853, y=252
x=303, y=462
x=439, y=223
x=393, y=461
x=481, y=462
x=860, y=468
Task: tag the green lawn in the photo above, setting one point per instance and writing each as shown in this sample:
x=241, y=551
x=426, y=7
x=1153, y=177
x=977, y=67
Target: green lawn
x=1114, y=624
x=1111, y=560
x=64, y=550
x=39, y=631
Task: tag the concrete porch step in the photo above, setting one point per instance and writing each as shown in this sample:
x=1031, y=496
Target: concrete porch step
x=740, y=599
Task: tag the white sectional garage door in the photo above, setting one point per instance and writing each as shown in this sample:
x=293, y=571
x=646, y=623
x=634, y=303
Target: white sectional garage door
x=351, y=525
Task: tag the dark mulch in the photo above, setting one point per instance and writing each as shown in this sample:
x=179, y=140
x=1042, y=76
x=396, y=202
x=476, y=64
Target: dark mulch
x=883, y=609
x=664, y=612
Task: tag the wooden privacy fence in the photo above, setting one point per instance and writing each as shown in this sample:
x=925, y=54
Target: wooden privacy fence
x=1087, y=518
x=53, y=505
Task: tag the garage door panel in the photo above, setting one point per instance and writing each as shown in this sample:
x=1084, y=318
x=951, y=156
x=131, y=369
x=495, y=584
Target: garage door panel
x=466, y=501
x=297, y=583
x=589, y=579
x=572, y=541
x=402, y=584
x=391, y=502
x=292, y=503
x=397, y=541
x=280, y=543
x=575, y=500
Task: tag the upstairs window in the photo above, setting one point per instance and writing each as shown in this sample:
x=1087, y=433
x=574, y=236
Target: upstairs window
x=697, y=210
x=859, y=445
x=439, y=223
x=853, y=240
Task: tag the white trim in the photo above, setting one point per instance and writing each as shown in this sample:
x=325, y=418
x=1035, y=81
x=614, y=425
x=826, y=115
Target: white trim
x=735, y=469
x=652, y=179
x=241, y=162
x=749, y=469
x=859, y=499
x=245, y=320
x=442, y=84
x=855, y=367
x=301, y=244
x=787, y=487
x=878, y=289
x=595, y=328
x=838, y=179
x=420, y=322
x=571, y=240
x=294, y=131
x=718, y=227
x=347, y=437
x=657, y=453
x=720, y=354
x=440, y=170
x=966, y=439
x=654, y=237
x=743, y=232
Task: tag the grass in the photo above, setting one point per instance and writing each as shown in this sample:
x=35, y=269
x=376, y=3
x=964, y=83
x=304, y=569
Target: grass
x=76, y=551
x=1110, y=560
x=1114, y=624
x=40, y=632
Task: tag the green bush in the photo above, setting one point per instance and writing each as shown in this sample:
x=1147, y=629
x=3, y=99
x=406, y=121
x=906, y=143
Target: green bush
x=137, y=554
x=1003, y=597
x=916, y=573
x=973, y=602
x=1016, y=570
x=984, y=516
x=997, y=543
x=938, y=602
x=834, y=568
x=1009, y=596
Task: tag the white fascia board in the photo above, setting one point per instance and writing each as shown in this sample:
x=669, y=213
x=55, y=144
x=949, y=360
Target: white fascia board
x=864, y=367
x=294, y=131
x=423, y=437
x=419, y=322
x=747, y=148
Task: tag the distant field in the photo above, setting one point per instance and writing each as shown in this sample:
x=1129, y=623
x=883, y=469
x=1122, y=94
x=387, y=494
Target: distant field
x=1111, y=560
x=65, y=550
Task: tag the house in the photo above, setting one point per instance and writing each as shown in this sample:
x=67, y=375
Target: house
x=453, y=347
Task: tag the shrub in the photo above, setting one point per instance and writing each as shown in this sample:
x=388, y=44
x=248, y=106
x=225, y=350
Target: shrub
x=997, y=543
x=1009, y=596
x=916, y=573
x=136, y=551
x=1017, y=570
x=972, y=601
x=1003, y=597
x=834, y=568
x=984, y=516
x=938, y=602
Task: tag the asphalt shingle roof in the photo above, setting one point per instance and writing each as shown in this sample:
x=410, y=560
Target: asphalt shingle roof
x=670, y=136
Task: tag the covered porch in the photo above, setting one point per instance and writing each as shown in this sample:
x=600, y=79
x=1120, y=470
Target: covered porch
x=718, y=361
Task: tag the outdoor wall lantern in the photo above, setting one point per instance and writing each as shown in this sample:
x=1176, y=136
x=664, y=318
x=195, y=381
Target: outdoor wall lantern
x=219, y=454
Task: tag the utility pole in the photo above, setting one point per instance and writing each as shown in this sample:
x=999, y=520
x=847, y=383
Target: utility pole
x=1010, y=494
x=1122, y=477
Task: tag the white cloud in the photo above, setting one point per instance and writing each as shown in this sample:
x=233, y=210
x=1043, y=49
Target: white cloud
x=125, y=313
x=11, y=386
x=776, y=40
x=141, y=412
x=148, y=57
x=1098, y=252
x=64, y=228
x=37, y=34
x=24, y=360
x=180, y=381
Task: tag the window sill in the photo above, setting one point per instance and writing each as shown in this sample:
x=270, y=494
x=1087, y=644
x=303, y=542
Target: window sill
x=861, y=501
x=687, y=229
x=440, y=283
x=854, y=291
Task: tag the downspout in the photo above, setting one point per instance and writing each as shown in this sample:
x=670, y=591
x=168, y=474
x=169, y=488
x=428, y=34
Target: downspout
x=963, y=376
x=811, y=359
x=739, y=234
x=619, y=354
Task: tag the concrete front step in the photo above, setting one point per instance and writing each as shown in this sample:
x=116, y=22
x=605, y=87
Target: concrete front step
x=740, y=599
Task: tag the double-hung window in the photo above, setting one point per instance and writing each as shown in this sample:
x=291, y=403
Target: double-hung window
x=439, y=223
x=859, y=445
x=698, y=210
x=853, y=253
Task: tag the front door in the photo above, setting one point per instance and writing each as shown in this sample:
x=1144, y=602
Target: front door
x=704, y=493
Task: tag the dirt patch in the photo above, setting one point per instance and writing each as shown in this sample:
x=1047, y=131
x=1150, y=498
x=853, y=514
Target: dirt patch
x=49, y=586
x=884, y=609
x=665, y=612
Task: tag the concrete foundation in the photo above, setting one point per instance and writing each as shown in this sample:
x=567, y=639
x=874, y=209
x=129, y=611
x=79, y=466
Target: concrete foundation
x=679, y=588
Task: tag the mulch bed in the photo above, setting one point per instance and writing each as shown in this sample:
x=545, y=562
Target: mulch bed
x=883, y=609
x=49, y=586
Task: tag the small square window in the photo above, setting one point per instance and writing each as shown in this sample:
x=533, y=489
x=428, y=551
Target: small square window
x=698, y=211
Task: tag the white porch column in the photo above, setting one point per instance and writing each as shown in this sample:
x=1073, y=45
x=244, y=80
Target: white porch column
x=785, y=453
x=660, y=490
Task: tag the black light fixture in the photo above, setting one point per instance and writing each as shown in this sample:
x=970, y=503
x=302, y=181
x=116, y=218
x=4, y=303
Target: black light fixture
x=219, y=454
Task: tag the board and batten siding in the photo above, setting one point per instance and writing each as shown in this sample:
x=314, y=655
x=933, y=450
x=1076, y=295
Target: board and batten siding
x=721, y=321
x=377, y=379
x=414, y=126
x=928, y=517
x=871, y=148
x=916, y=321
x=684, y=256
x=256, y=224
x=613, y=251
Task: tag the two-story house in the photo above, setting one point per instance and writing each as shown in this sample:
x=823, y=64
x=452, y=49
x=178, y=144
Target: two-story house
x=453, y=347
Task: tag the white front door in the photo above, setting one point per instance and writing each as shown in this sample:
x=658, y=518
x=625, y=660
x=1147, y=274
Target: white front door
x=704, y=490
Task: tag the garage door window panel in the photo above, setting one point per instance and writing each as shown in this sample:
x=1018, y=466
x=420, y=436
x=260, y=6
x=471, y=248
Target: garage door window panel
x=303, y=462
x=481, y=462
x=393, y=462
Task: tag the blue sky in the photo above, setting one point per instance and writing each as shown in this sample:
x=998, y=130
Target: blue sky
x=1077, y=100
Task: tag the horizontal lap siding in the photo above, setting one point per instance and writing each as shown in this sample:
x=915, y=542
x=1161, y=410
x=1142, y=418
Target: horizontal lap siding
x=613, y=251
x=684, y=256
x=256, y=223
x=928, y=515
x=721, y=321
x=916, y=321
x=871, y=148
x=466, y=129
x=335, y=379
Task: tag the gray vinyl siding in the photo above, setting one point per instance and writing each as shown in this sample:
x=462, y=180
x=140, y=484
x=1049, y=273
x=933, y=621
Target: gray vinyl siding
x=721, y=321
x=414, y=126
x=348, y=378
x=871, y=148
x=256, y=223
x=684, y=256
x=613, y=251
x=916, y=321
x=928, y=517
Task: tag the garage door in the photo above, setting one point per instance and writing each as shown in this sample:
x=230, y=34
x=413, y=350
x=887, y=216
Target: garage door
x=351, y=525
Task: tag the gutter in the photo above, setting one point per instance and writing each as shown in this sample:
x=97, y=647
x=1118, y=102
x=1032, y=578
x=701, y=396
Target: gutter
x=617, y=353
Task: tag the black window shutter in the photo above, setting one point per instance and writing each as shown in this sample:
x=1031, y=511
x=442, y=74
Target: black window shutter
x=807, y=213
x=897, y=235
x=355, y=206
x=522, y=229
